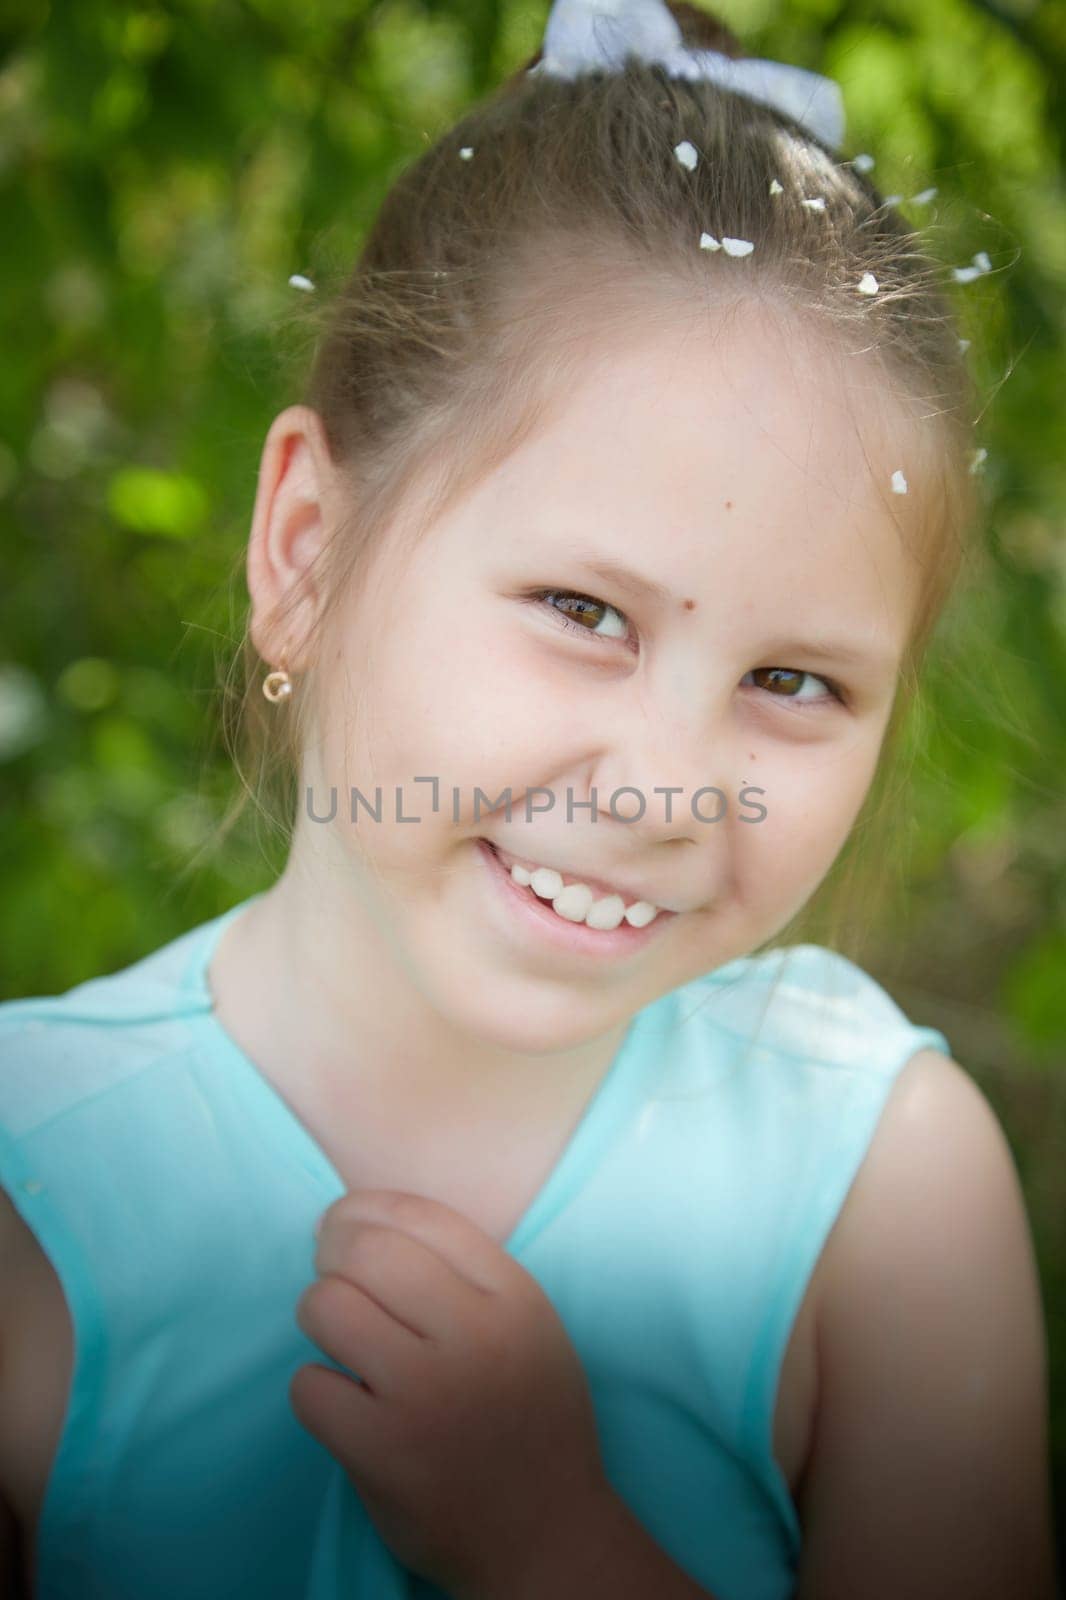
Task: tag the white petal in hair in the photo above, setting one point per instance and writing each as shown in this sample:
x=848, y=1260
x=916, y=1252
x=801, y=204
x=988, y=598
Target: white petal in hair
x=979, y=459
x=981, y=260
x=298, y=281
x=964, y=345
x=709, y=242
x=737, y=247
x=965, y=274
x=899, y=482
x=863, y=163
x=817, y=204
x=775, y=187
x=686, y=154
x=868, y=284
x=466, y=152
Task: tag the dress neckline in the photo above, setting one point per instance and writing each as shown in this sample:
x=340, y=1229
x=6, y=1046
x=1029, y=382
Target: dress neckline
x=619, y=1091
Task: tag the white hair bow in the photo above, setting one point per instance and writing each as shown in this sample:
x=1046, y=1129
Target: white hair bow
x=593, y=35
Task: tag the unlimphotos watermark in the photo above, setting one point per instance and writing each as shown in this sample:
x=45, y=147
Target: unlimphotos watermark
x=357, y=800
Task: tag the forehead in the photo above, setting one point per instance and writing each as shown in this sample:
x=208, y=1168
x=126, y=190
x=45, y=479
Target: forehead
x=676, y=407
x=669, y=441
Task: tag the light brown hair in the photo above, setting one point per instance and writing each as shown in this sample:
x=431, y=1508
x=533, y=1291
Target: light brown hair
x=484, y=281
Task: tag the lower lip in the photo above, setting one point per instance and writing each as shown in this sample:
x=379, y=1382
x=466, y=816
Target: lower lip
x=573, y=937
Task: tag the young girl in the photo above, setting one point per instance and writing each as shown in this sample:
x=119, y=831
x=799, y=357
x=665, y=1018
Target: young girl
x=659, y=1256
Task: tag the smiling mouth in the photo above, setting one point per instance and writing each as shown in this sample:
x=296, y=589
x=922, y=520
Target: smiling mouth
x=599, y=889
x=571, y=934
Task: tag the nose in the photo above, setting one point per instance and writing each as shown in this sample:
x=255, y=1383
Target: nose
x=665, y=774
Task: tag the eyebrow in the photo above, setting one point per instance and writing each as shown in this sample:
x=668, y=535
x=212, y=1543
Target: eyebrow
x=852, y=652
x=614, y=571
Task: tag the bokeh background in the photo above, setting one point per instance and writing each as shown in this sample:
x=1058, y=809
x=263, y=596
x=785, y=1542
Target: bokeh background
x=165, y=169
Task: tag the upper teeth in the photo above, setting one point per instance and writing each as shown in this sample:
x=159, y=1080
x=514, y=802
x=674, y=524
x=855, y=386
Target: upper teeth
x=578, y=903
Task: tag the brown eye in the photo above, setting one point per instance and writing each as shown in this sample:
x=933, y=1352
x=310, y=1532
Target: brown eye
x=583, y=612
x=782, y=683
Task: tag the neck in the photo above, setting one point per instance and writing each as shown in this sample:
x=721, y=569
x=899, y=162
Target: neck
x=334, y=1017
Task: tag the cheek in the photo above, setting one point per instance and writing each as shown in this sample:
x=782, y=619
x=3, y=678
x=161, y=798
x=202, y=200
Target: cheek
x=450, y=700
x=812, y=799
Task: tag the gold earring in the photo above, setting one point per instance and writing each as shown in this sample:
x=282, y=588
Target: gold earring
x=277, y=685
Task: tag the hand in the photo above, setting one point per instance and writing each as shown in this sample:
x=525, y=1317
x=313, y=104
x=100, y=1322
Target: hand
x=471, y=1437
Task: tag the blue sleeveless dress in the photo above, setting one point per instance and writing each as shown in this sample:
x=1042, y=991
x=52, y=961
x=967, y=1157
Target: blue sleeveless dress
x=174, y=1192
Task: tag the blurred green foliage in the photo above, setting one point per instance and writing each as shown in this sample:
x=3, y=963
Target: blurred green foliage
x=164, y=169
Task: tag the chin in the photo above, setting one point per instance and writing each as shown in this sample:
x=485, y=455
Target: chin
x=522, y=1017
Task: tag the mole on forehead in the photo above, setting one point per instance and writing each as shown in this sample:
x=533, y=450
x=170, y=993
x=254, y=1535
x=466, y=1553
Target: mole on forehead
x=638, y=583
x=641, y=584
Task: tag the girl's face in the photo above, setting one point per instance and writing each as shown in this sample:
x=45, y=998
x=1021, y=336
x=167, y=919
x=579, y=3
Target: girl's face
x=747, y=491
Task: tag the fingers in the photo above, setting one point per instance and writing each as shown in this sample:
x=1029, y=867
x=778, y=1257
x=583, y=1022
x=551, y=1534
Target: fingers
x=408, y=1280
x=350, y=1326
x=340, y=1414
x=467, y=1249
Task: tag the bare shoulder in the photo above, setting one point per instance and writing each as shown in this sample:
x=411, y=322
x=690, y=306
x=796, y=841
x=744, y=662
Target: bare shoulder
x=16, y=1246
x=929, y=1469
x=21, y=1262
x=36, y=1364
x=16, y=1243
x=20, y=1255
x=15, y=1236
x=938, y=1151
